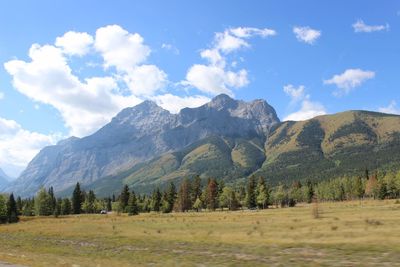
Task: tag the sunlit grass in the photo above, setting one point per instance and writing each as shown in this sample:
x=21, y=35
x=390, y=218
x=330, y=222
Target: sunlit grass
x=348, y=233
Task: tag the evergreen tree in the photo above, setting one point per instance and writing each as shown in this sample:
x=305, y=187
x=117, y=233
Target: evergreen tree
x=77, y=199
x=309, y=191
x=156, y=200
x=109, y=204
x=382, y=191
x=132, y=205
x=171, y=196
x=52, y=200
x=66, y=206
x=3, y=210
x=124, y=198
x=19, y=205
x=251, y=193
x=196, y=188
x=184, y=200
x=89, y=206
x=12, y=213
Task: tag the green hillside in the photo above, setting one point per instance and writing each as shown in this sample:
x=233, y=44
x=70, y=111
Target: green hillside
x=332, y=145
x=324, y=147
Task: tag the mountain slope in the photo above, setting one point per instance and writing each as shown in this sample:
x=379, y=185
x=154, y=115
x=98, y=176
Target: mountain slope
x=332, y=145
x=140, y=134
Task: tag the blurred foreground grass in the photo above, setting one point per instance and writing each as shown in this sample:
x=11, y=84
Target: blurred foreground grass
x=345, y=234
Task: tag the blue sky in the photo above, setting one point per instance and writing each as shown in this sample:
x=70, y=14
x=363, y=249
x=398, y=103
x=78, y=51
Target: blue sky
x=68, y=67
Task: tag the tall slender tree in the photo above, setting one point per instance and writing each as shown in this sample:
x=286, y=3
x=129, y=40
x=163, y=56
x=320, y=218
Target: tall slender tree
x=12, y=212
x=156, y=200
x=196, y=188
x=124, y=198
x=132, y=205
x=211, y=196
x=77, y=199
x=251, y=201
x=184, y=197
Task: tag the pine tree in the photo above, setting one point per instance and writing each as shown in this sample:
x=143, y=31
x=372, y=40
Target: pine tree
x=184, y=196
x=77, y=199
x=12, y=213
x=66, y=206
x=171, y=196
x=196, y=188
x=132, y=205
x=156, y=200
x=109, y=204
x=57, y=208
x=124, y=198
x=52, y=200
x=3, y=210
x=19, y=205
x=250, y=193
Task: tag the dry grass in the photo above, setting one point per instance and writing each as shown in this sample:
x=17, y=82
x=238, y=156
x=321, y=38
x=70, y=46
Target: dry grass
x=346, y=234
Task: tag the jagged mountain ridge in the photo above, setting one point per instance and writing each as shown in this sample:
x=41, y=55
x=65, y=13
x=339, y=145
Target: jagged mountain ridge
x=139, y=134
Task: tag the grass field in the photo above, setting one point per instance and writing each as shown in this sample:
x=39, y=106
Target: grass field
x=346, y=234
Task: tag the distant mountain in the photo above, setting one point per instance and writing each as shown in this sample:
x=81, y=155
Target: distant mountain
x=4, y=179
x=144, y=133
x=324, y=147
x=146, y=146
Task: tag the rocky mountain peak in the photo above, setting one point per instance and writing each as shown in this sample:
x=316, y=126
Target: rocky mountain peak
x=222, y=101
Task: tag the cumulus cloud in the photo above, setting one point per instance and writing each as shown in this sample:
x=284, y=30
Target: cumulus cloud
x=306, y=34
x=349, y=79
x=145, y=80
x=119, y=48
x=308, y=109
x=18, y=146
x=360, y=26
x=75, y=43
x=391, y=108
x=84, y=105
x=175, y=103
x=215, y=77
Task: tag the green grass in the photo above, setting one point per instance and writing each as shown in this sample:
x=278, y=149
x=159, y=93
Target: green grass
x=346, y=234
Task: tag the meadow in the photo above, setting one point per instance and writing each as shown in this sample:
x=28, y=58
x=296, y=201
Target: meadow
x=350, y=233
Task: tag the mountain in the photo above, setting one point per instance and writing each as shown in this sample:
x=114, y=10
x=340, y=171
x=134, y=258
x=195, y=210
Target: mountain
x=146, y=146
x=144, y=133
x=4, y=179
x=320, y=148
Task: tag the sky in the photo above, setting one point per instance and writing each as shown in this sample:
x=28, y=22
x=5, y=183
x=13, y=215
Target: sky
x=68, y=67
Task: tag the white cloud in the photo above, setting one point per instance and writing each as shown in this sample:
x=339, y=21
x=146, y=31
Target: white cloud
x=1, y=95
x=145, y=80
x=18, y=146
x=306, y=34
x=391, y=108
x=296, y=94
x=349, y=80
x=171, y=48
x=175, y=103
x=47, y=78
x=360, y=26
x=216, y=77
x=307, y=111
x=215, y=80
x=120, y=48
x=75, y=43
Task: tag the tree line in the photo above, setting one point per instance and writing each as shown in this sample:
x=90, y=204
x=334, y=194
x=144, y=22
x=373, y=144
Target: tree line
x=192, y=195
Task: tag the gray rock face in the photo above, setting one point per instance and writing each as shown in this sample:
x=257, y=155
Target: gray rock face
x=139, y=134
